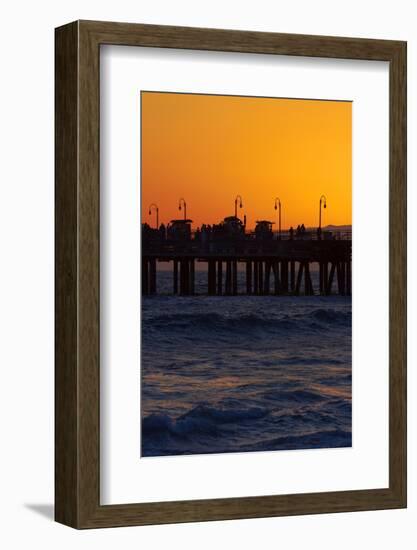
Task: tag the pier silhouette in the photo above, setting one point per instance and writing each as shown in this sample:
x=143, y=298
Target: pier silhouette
x=275, y=263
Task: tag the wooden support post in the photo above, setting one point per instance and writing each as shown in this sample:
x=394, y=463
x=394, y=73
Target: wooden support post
x=309, y=290
x=330, y=281
x=256, y=277
x=267, y=277
x=145, y=276
x=292, y=263
x=248, y=277
x=325, y=276
x=234, y=277
x=284, y=276
x=306, y=279
x=211, y=277
x=339, y=277
x=183, y=277
x=306, y=275
x=321, y=278
x=186, y=277
x=343, y=277
x=219, y=277
x=228, y=277
x=175, y=276
x=299, y=278
x=192, y=277
x=348, y=278
x=277, y=282
x=152, y=276
x=260, y=277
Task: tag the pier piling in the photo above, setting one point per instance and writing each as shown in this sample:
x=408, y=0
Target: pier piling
x=228, y=289
x=299, y=278
x=152, y=276
x=277, y=282
x=330, y=281
x=248, y=277
x=219, y=277
x=211, y=277
x=292, y=264
x=145, y=277
x=234, y=277
x=255, y=277
x=284, y=277
x=260, y=277
x=175, y=277
x=192, y=277
x=348, y=278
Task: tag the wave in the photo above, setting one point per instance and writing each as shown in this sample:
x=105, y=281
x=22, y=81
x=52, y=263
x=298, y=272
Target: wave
x=201, y=419
x=320, y=439
x=206, y=429
x=329, y=315
x=220, y=322
x=298, y=396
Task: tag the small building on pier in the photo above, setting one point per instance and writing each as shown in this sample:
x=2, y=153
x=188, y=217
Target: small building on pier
x=263, y=230
x=227, y=236
x=179, y=230
x=153, y=237
x=231, y=226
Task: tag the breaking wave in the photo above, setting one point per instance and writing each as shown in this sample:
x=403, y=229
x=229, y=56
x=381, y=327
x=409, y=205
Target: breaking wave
x=191, y=432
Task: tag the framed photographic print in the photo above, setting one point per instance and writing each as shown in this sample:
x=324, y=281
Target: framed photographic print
x=230, y=274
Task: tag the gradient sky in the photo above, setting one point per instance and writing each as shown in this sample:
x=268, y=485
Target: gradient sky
x=208, y=149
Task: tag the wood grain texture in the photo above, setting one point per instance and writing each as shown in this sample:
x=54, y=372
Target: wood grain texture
x=78, y=285
x=398, y=273
x=66, y=237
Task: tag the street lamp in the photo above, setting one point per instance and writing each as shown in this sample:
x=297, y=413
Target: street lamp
x=278, y=206
x=155, y=207
x=238, y=200
x=185, y=207
x=322, y=201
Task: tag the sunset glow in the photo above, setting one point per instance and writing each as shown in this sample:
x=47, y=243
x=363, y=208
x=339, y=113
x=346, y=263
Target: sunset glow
x=208, y=149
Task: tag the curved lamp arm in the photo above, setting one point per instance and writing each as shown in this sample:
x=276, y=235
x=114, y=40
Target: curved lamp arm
x=238, y=201
x=155, y=207
x=184, y=204
x=278, y=207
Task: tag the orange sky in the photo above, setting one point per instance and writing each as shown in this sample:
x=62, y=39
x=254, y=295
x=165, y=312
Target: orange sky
x=208, y=149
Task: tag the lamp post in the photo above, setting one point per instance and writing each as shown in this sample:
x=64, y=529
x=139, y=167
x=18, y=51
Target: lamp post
x=278, y=206
x=153, y=205
x=238, y=200
x=182, y=201
x=322, y=201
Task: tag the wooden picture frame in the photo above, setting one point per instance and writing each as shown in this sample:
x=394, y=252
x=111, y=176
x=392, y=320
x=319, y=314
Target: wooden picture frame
x=77, y=405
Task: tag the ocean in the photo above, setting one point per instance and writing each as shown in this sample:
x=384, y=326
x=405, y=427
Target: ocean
x=222, y=374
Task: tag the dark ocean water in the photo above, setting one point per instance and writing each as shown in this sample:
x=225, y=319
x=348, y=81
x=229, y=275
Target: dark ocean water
x=244, y=373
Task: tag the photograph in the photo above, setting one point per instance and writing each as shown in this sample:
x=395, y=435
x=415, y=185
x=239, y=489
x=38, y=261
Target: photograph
x=246, y=247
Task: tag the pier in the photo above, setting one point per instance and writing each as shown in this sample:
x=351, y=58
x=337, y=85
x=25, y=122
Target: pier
x=272, y=264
